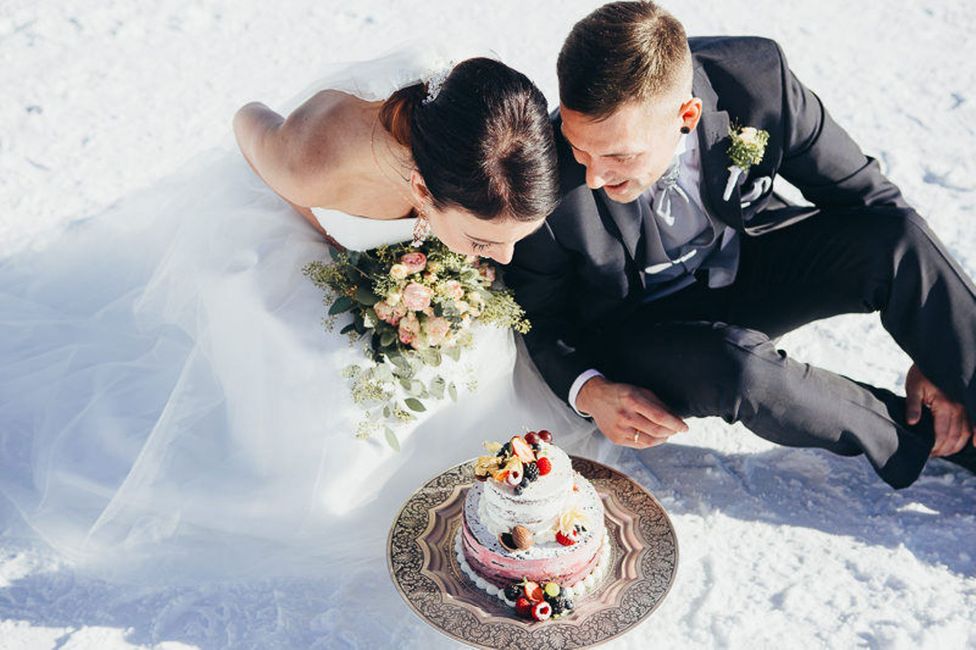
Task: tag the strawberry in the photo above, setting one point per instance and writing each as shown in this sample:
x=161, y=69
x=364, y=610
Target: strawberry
x=544, y=465
x=523, y=606
x=542, y=611
x=568, y=539
x=522, y=449
x=534, y=592
x=545, y=436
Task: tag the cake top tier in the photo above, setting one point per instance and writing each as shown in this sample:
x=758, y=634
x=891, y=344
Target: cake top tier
x=517, y=463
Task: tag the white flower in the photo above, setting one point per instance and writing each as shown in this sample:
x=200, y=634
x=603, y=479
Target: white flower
x=749, y=135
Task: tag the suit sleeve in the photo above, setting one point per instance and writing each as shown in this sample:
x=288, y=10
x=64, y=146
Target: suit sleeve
x=822, y=160
x=542, y=276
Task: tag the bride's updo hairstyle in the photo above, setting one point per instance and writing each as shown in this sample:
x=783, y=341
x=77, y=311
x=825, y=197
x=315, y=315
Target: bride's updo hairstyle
x=483, y=143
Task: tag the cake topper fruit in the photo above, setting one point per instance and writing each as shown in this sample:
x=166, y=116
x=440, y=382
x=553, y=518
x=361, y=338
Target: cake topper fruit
x=544, y=465
x=522, y=449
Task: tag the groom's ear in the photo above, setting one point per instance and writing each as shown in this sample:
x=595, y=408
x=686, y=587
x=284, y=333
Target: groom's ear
x=690, y=112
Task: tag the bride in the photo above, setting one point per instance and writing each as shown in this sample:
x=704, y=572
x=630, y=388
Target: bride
x=172, y=409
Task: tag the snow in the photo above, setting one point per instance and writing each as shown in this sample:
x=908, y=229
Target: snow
x=777, y=545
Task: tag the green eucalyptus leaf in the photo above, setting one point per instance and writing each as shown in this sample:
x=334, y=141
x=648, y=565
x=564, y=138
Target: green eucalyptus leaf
x=454, y=352
x=415, y=405
x=365, y=296
x=391, y=438
x=342, y=303
x=437, y=386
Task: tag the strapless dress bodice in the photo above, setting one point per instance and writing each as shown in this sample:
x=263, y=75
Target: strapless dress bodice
x=361, y=233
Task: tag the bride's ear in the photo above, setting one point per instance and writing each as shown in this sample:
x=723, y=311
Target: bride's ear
x=418, y=190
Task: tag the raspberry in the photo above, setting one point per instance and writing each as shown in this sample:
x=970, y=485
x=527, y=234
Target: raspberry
x=543, y=465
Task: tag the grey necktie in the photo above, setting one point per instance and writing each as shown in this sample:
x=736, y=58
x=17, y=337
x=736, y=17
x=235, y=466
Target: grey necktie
x=669, y=199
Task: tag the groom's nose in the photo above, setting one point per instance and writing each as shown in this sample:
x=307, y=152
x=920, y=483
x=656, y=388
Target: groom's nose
x=595, y=178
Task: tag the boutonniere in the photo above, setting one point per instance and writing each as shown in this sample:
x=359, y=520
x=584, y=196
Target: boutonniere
x=747, y=149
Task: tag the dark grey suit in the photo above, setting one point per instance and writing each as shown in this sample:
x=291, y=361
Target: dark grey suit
x=708, y=351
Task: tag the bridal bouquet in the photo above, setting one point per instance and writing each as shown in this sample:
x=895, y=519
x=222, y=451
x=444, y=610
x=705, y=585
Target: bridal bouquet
x=412, y=307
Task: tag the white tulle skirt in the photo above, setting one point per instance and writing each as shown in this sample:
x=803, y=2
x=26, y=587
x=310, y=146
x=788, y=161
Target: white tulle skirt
x=172, y=409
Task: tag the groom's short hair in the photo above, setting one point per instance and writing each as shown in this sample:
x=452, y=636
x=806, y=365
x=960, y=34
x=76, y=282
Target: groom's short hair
x=623, y=51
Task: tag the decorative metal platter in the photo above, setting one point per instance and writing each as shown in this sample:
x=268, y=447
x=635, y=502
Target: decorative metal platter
x=424, y=568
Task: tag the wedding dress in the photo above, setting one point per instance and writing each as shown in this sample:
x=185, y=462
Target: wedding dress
x=172, y=409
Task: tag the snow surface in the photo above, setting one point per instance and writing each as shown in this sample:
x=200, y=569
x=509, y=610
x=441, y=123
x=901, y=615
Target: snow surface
x=778, y=547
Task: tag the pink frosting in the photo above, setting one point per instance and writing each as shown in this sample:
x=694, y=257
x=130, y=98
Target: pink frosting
x=569, y=567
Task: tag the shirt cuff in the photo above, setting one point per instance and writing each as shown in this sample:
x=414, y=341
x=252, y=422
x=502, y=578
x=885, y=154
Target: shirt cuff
x=577, y=385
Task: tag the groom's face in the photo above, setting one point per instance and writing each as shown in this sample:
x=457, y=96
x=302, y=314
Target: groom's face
x=628, y=151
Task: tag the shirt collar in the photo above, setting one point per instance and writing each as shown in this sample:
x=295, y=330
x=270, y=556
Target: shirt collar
x=687, y=144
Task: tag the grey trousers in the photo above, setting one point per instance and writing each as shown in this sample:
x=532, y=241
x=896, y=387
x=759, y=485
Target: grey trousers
x=708, y=352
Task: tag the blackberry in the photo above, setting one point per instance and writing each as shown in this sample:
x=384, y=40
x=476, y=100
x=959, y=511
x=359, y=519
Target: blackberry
x=557, y=606
x=513, y=591
x=531, y=472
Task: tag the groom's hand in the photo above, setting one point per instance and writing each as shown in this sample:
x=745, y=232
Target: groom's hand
x=952, y=427
x=628, y=415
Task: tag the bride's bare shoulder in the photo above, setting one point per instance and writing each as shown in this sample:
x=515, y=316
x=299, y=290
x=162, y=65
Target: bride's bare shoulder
x=308, y=155
x=328, y=131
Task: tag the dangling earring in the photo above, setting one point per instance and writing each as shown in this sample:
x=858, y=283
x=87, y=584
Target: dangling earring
x=421, y=230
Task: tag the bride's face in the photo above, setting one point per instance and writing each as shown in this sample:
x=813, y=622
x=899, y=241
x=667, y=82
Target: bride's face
x=465, y=233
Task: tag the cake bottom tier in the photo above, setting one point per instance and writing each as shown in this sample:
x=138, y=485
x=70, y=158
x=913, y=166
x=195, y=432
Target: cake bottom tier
x=568, y=567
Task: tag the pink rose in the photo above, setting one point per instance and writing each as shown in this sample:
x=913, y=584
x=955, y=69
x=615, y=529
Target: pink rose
x=437, y=329
x=415, y=262
x=389, y=313
x=416, y=297
x=409, y=329
x=383, y=310
x=452, y=289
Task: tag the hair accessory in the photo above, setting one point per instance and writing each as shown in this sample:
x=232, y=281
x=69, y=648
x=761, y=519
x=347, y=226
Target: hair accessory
x=435, y=81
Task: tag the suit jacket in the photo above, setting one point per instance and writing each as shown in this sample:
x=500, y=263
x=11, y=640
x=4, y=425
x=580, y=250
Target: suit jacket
x=581, y=268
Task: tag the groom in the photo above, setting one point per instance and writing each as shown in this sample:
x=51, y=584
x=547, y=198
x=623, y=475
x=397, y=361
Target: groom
x=657, y=288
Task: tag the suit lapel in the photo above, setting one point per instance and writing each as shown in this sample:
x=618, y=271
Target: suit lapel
x=627, y=218
x=713, y=140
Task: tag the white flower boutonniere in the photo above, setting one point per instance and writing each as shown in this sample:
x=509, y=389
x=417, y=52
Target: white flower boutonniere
x=747, y=149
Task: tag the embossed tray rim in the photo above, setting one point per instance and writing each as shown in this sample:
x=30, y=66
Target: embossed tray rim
x=617, y=585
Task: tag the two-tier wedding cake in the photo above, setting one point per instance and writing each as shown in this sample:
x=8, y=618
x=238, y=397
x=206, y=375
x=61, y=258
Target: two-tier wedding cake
x=533, y=530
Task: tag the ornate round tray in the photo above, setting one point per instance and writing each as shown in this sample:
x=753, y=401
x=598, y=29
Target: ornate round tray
x=425, y=570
